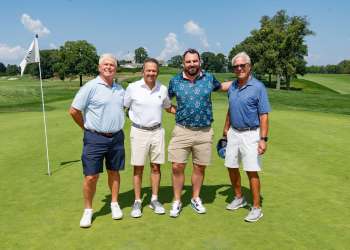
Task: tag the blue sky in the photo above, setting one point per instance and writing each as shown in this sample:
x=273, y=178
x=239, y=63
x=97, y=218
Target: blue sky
x=166, y=28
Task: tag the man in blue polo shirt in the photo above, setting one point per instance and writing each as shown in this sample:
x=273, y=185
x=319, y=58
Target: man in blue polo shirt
x=98, y=110
x=192, y=133
x=246, y=128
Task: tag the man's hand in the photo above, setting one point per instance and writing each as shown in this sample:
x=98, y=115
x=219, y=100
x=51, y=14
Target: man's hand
x=262, y=147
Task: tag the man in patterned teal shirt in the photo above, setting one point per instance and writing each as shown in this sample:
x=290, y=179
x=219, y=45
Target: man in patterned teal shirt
x=192, y=133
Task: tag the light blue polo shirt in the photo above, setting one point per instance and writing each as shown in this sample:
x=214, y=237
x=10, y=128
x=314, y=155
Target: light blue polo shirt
x=102, y=106
x=247, y=103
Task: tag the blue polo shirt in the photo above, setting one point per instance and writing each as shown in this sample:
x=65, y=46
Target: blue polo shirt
x=102, y=106
x=194, y=107
x=247, y=103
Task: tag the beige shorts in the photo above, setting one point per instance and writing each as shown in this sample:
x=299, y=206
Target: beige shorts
x=147, y=143
x=243, y=147
x=186, y=140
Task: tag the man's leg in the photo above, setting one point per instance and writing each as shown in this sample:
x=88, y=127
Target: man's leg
x=155, y=178
x=197, y=179
x=254, y=183
x=114, y=184
x=89, y=189
x=235, y=178
x=178, y=179
x=138, y=171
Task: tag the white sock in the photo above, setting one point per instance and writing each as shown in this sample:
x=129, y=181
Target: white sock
x=114, y=203
x=88, y=210
x=154, y=197
x=139, y=200
x=177, y=202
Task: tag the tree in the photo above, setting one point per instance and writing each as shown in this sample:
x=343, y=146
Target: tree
x=278, y=47
x=344, y=67
x=175, y=61
x=2, y=68
x=12, y=69
x=48, y=58
x=77, y=58
x=213, y=63
x=140, y=55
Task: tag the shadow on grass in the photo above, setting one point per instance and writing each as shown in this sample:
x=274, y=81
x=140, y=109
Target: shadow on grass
x=208, y=195
x=63, y=165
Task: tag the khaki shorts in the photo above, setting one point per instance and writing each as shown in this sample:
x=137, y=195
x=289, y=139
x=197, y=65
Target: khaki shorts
x=187, y=140
x=147, y=143
x=243, y=147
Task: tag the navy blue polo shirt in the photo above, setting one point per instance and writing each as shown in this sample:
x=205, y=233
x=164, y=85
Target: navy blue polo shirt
x=194, y=107
x=247, y=103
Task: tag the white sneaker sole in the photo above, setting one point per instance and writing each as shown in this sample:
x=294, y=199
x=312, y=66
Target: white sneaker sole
x=248, y=220
x=117, y=217
x=157, y=212
x=85, y=226
x=235, y=208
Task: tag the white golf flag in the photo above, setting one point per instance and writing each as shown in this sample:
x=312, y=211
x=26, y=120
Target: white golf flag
x=32, y=55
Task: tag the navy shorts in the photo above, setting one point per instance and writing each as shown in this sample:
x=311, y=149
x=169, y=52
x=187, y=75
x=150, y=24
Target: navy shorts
x=98, y=147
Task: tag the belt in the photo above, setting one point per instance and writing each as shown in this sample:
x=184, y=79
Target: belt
x=109, y=135
x=245, y=129
x=147, y=128
x=192, y=128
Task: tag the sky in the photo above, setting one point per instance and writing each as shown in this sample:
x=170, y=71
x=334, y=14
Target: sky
x=166, y=28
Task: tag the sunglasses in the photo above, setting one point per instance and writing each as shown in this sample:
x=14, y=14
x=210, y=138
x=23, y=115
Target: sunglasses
x=242, y=66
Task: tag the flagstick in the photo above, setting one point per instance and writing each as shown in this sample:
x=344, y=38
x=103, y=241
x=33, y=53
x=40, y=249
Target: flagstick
x=44, y=117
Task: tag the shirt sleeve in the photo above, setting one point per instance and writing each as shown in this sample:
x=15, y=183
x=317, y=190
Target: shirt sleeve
x=127, y=97
x=166, y=102
x=264, y=105
x=81, y=99
x=216, y=84
x=171, y=92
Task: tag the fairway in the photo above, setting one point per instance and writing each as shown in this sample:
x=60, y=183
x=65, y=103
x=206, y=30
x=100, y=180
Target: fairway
x=305, y=182
x=337, y=82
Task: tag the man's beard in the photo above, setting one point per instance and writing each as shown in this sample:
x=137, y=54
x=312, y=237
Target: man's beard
x=192, y=71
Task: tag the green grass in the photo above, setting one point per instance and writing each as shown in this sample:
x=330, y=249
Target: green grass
x=337, y=82
x=305, y=182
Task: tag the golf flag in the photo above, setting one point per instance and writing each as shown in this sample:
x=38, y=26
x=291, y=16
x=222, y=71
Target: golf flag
x=32, y=55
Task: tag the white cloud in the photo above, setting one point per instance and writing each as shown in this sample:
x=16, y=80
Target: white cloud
x=121, y=55
x=34, y=26
x=194, y=29
x=218, y=44
x=8, y=53
x=53, y=46
x=172, y=47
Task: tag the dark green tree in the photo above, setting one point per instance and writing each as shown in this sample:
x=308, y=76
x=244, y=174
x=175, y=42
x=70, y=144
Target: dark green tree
x=12, y=69
x=175, y=61
x=2, y=68
x=140, y=55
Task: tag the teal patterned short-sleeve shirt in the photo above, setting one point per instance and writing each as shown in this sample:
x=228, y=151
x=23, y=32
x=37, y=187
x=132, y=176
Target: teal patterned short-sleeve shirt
x=194, y=107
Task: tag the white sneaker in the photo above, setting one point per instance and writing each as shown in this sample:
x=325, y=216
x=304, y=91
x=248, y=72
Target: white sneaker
x=197, y=206
x=86, y=218
x=254, y=215
x=157, y=207
x=116, y=211
x=236, y=204
x=136, y=210
x=175, y=209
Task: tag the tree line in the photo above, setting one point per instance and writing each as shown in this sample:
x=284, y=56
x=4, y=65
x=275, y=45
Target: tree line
x=277, y=49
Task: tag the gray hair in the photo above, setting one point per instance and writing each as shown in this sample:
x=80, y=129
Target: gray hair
x=243, y=55
x=107, y=56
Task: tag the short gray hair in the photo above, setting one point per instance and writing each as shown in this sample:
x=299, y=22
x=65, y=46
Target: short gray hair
x=107, y=56
x=243, y=55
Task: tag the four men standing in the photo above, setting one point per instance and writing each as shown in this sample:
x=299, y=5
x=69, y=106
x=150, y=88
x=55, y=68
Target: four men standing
x=98, y=110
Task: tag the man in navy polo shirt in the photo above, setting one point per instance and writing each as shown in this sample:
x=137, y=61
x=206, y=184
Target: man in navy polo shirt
x=192, y=133
x=98, y=109
x=246, y=128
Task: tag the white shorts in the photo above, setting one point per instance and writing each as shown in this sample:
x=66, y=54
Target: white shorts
x=243, y=146
x=147, y=143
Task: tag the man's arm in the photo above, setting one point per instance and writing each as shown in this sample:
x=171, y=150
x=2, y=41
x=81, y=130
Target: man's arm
x=227, y=124
x=77, y=116
x=225, y=86
x=264, y=129
x=172, y=109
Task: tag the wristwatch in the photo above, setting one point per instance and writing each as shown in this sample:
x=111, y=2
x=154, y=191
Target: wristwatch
x=264, y=138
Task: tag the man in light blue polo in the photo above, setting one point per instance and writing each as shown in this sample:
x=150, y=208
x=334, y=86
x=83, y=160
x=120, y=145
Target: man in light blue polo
x=246, y=128
x=98, y=109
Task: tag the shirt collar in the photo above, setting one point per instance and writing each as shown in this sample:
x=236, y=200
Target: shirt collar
x=201, y=73
x=101, y=81
x=144, y=84
x=248, y=83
